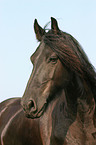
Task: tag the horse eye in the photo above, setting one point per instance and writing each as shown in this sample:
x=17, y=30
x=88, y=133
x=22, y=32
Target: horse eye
x=53, y=59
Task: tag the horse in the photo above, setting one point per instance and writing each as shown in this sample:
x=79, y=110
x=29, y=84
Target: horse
x=59, y=99
x=61, y=90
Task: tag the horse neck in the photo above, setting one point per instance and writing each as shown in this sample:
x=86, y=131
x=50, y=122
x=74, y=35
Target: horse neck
x=86, y=107
x=81, y=97
x=86, y=104
x=83, y=129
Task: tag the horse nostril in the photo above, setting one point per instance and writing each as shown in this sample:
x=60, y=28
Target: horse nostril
x=31, y=105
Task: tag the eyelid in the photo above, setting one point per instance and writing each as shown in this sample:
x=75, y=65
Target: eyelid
x=54, y=56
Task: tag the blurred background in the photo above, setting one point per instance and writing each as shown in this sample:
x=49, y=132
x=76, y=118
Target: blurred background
x=18, y=42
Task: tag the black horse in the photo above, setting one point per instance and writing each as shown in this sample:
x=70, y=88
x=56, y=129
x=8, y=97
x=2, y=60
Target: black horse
x=59, y=98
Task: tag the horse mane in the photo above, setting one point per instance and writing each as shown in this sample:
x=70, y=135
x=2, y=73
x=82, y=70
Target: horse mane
x=72, y=56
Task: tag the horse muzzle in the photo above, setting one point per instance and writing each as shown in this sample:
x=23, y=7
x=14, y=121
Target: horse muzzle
x=29, y=107
x=31, y=110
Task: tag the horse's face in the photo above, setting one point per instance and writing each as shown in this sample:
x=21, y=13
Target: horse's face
x=48, y=77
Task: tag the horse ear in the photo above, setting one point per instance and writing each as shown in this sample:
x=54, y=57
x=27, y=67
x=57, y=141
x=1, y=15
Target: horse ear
x=38, y=30
x=54, y=25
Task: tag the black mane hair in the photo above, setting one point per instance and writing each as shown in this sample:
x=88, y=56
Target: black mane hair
x=72, y=56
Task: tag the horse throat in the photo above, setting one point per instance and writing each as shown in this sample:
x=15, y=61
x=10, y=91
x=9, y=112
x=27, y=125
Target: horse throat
x=56, y=121
x=62, y=118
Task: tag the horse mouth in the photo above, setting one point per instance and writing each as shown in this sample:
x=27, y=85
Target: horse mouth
x=36, y=114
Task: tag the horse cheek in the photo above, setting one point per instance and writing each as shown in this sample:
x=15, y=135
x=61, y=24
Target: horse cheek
x=61, y=75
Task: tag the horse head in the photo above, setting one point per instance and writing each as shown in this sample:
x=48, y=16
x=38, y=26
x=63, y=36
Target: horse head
x=48, y=76
x=59, y=63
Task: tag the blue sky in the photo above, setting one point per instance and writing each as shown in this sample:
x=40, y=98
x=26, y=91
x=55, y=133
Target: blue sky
x=18, y=42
